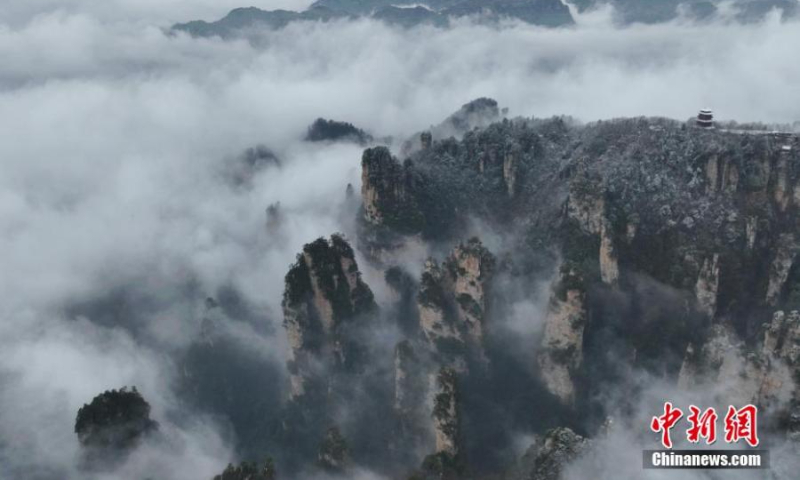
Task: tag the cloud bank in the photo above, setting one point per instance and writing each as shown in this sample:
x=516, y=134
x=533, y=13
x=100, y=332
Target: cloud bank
x=114, y=144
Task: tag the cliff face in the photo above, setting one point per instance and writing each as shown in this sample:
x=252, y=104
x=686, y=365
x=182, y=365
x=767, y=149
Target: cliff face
x=390, y=213
x=586, y=204
x=721, y=229
x=386, y=190
x=445, y=412
x=561, y=353
x=550, y=454
x=708, y=214
x=324, y=298
x=430, y=195
x=764, y=375
x=435, y=319
x=410, y=382
x=785, y=253
x=453, y=299
x=334, y=455
x=707, y=286
x=510, y=169
x=782, y=338
x=471, y=266
x=675, y=249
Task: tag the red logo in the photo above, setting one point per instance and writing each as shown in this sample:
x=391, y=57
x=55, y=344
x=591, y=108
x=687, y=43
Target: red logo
x=703, y=426
x=665, y=423
x=740, y=424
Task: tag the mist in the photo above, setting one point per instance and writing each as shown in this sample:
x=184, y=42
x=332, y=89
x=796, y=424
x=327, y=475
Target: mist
x=115, y=140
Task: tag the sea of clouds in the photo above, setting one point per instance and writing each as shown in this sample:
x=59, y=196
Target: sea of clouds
x=115, y=138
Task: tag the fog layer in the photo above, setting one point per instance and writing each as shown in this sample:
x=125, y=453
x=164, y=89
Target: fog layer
x=116, y=143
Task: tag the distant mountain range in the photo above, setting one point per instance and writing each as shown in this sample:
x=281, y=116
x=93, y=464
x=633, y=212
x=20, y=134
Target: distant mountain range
x=439, y=13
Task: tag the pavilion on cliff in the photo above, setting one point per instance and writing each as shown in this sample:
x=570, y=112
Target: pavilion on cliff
x=705, y=118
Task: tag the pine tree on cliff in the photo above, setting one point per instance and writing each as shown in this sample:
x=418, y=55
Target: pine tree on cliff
x=249, y=471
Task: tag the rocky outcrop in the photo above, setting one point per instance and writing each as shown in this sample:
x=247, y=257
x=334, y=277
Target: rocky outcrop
x=785, y=252
x=736, y=373
x=112, y=426
x=477, y=113
x=722, y=175
x=586, y=206
x=609, y=268
x=408, y=371
x=724, y=363
x=433, y=304
x=782, y=193
x=588, y=210
x=334, y=454
x=415, y=389
x=547, y=458
x=707, y=286
x=661, y=231
x=561, y=353
x=323, y=130
x=446, y=423
x=452, y=302
x=440, y=426
x=782, y=337
x=453, y=296
x=387, y=192
x=510, y=169
x=324, y=294
x=115, y=419
x=471, y=267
